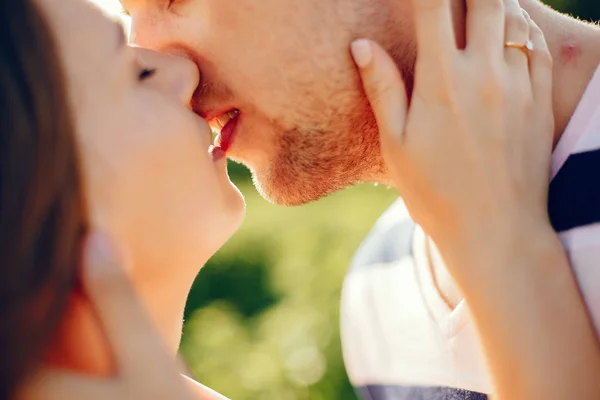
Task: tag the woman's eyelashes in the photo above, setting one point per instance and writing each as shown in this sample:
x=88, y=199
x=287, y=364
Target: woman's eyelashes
x=146, y=73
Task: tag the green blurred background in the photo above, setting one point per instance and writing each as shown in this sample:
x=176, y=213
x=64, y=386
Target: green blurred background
x=262, y=320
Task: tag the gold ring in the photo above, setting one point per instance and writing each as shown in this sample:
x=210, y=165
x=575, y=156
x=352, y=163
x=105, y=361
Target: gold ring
x=526, y=47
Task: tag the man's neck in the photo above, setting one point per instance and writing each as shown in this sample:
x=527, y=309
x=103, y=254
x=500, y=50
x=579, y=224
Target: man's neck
x=575, y=48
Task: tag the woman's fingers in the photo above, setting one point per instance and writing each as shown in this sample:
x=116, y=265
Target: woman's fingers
x=137, y=346
x=385, y=90
x=540, y=66
x=517, y=32
x=540, y=70
x=485, y=27
x=434, y=30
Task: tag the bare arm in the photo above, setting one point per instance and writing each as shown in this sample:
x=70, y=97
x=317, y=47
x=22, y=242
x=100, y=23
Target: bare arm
x=531, y=320
x=470, y=157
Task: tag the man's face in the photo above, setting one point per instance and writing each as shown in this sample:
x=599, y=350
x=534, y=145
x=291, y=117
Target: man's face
x=304, y=127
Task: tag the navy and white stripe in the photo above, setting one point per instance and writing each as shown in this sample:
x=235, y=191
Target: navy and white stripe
x=574, y=197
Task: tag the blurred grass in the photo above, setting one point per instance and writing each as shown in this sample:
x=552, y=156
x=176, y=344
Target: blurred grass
x=263, y=317
x=262, y=320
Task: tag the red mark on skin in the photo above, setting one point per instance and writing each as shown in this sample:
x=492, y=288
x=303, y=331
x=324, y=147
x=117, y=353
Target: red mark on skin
x=569, y=53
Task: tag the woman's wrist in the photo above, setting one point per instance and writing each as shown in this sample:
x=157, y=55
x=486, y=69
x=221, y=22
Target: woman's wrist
x=498, y=247
x=525, y=304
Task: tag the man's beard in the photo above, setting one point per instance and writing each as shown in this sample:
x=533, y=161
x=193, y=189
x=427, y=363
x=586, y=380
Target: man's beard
x=313, y=163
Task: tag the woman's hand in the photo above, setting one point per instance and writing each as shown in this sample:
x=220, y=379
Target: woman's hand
x=471, y=153
x=145, y=367
x=470, y=156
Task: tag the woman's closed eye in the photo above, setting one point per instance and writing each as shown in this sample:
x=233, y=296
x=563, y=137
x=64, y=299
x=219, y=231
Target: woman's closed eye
x=146, y=73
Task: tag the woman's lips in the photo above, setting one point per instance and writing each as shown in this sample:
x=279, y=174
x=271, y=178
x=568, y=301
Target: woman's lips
x=216, y=152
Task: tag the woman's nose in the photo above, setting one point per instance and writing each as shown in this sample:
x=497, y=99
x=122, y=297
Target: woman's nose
x=174, y=74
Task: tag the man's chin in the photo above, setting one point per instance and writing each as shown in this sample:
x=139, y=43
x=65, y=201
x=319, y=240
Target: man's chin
x=293, y=191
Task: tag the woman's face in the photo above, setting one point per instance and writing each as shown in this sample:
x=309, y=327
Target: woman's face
x=150, y=179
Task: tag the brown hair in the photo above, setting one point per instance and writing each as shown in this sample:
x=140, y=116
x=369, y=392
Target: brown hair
x=42, y=213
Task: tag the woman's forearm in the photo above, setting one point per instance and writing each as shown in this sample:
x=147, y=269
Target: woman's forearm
x=532, y=322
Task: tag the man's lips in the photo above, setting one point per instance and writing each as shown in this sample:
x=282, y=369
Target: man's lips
x=227, y=133
x=222, y=124
x=218, y=122
x=211, y=113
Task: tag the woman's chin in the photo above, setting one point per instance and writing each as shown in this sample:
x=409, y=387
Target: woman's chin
x=235, y=205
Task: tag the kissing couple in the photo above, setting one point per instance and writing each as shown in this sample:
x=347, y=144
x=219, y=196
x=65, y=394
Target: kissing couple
x=483, y=114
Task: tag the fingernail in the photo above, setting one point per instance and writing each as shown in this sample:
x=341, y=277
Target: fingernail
x=526, y=14
x=361, y=52
x=100, y=252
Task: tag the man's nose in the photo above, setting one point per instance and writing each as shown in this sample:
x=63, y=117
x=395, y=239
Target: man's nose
x=175, y=74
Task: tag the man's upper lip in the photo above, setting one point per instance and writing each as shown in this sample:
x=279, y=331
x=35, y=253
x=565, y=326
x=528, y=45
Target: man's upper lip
x=209, y=114
x=207, y=108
